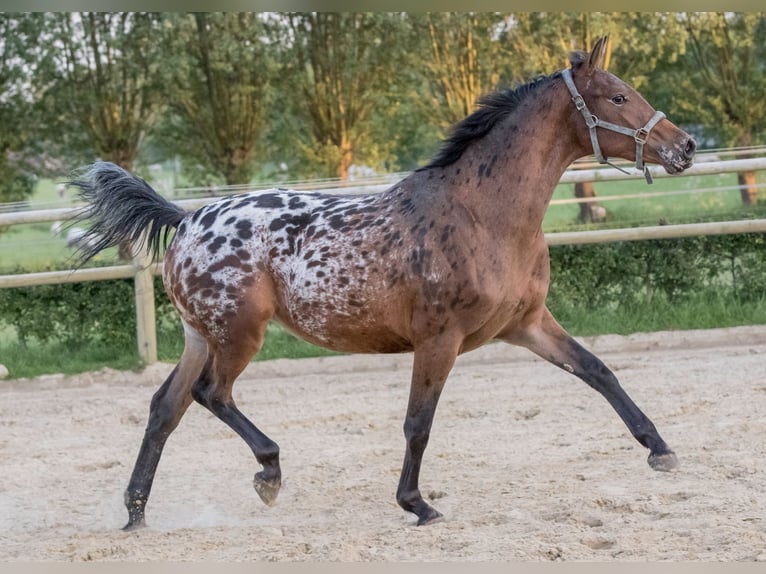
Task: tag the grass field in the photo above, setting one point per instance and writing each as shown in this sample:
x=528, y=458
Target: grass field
x=656, y=209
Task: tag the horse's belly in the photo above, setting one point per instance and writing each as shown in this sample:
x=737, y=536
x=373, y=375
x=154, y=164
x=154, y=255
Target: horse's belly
x=346, y=320
x=345, y=334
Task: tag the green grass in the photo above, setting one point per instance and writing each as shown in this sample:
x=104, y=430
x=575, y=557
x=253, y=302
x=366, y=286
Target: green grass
x=655, y=209
x=704, y=311
x=32, y=246
x=38, y=359
x=34, y=359
x=279, y=344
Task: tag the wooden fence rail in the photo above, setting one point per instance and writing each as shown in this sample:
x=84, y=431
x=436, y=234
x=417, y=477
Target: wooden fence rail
x=142, y=270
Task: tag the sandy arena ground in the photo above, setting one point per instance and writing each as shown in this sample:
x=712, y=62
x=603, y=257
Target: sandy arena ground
x=525, y=461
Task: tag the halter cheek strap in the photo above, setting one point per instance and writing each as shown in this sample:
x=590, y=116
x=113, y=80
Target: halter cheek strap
x=640, y=135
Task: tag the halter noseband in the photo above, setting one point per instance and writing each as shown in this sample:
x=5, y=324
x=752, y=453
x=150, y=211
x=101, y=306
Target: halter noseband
x=640, y=135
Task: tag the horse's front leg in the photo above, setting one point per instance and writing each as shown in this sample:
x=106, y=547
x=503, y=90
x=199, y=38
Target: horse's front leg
x=549, y=340
x=432, y=364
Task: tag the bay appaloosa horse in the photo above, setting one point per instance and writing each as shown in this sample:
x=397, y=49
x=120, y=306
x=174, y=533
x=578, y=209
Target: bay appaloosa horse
x=447, y=259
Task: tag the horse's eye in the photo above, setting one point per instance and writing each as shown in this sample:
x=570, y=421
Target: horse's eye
x=619, y=99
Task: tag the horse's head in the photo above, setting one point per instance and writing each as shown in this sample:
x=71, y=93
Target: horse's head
x=613, y=119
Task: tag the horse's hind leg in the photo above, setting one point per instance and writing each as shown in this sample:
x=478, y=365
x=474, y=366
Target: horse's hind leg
x=548, y=339
x=168, y=405
x=213, y=391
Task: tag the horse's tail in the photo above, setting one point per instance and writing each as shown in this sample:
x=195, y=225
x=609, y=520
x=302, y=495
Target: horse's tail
x=122, y=208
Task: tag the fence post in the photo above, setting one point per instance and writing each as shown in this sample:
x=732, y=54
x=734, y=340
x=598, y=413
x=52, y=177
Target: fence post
x=146, y=331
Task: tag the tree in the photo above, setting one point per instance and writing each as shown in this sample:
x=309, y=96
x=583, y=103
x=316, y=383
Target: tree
x=222, y=71
x=101, y=74
x=16, y=170
x=461, y=58
x=340, y=67
x=725, y=90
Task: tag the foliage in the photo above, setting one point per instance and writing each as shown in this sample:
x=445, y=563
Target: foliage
x=16, y=183
x=75, y=313
x=463, y=55
x=222, y=68
x=338, y=71
x=80, y=314
x=460, y=59
x=100, y=73
x=720, y=81
x=17, y=179
x=540, y=42
x=629, y=273
x=234, y=94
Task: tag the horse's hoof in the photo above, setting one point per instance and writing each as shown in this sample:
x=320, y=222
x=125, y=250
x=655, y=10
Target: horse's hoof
x=664, y=462
x=431, y=517
x=267, y=489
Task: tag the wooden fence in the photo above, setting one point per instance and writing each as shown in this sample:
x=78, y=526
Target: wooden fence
x=142, y=269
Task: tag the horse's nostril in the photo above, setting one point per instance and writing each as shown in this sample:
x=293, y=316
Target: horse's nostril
x=690, y=148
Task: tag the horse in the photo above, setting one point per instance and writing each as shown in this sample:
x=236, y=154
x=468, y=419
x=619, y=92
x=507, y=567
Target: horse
x=449, y=258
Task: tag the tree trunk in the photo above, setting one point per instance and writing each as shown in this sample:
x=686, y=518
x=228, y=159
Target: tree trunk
x=590, y=211
x=346, y=159
x=747, y=187
x=122, y=157
x=746, y=179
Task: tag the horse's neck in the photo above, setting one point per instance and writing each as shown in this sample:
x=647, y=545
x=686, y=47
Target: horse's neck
x=515, y=168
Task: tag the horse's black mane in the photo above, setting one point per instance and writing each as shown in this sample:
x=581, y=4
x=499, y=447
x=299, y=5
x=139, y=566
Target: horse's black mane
x=492, y=108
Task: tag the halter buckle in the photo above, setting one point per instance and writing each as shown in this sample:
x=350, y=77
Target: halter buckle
x=641, y=135
x=578, y=102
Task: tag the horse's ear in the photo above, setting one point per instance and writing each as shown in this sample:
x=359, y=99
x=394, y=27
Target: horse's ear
x=598, y=54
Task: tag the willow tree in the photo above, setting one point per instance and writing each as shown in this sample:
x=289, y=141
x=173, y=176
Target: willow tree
x=341, y=68
x=221, y=75
x=16, y=181
x=460, y=58
x=100, y=73
x=540, y=42
x=727, y=83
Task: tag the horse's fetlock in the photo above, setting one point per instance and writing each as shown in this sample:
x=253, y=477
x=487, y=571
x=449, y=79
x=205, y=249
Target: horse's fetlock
x=269, y=456
x=135, y=498
x=408, y=499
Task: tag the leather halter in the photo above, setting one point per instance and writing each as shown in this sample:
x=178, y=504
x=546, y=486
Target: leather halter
x=640, y=135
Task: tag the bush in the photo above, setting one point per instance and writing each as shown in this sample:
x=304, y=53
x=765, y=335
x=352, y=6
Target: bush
x=78, y=314
x=625, y=273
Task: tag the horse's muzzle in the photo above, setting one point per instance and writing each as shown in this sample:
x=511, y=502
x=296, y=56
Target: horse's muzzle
x=678, y=157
